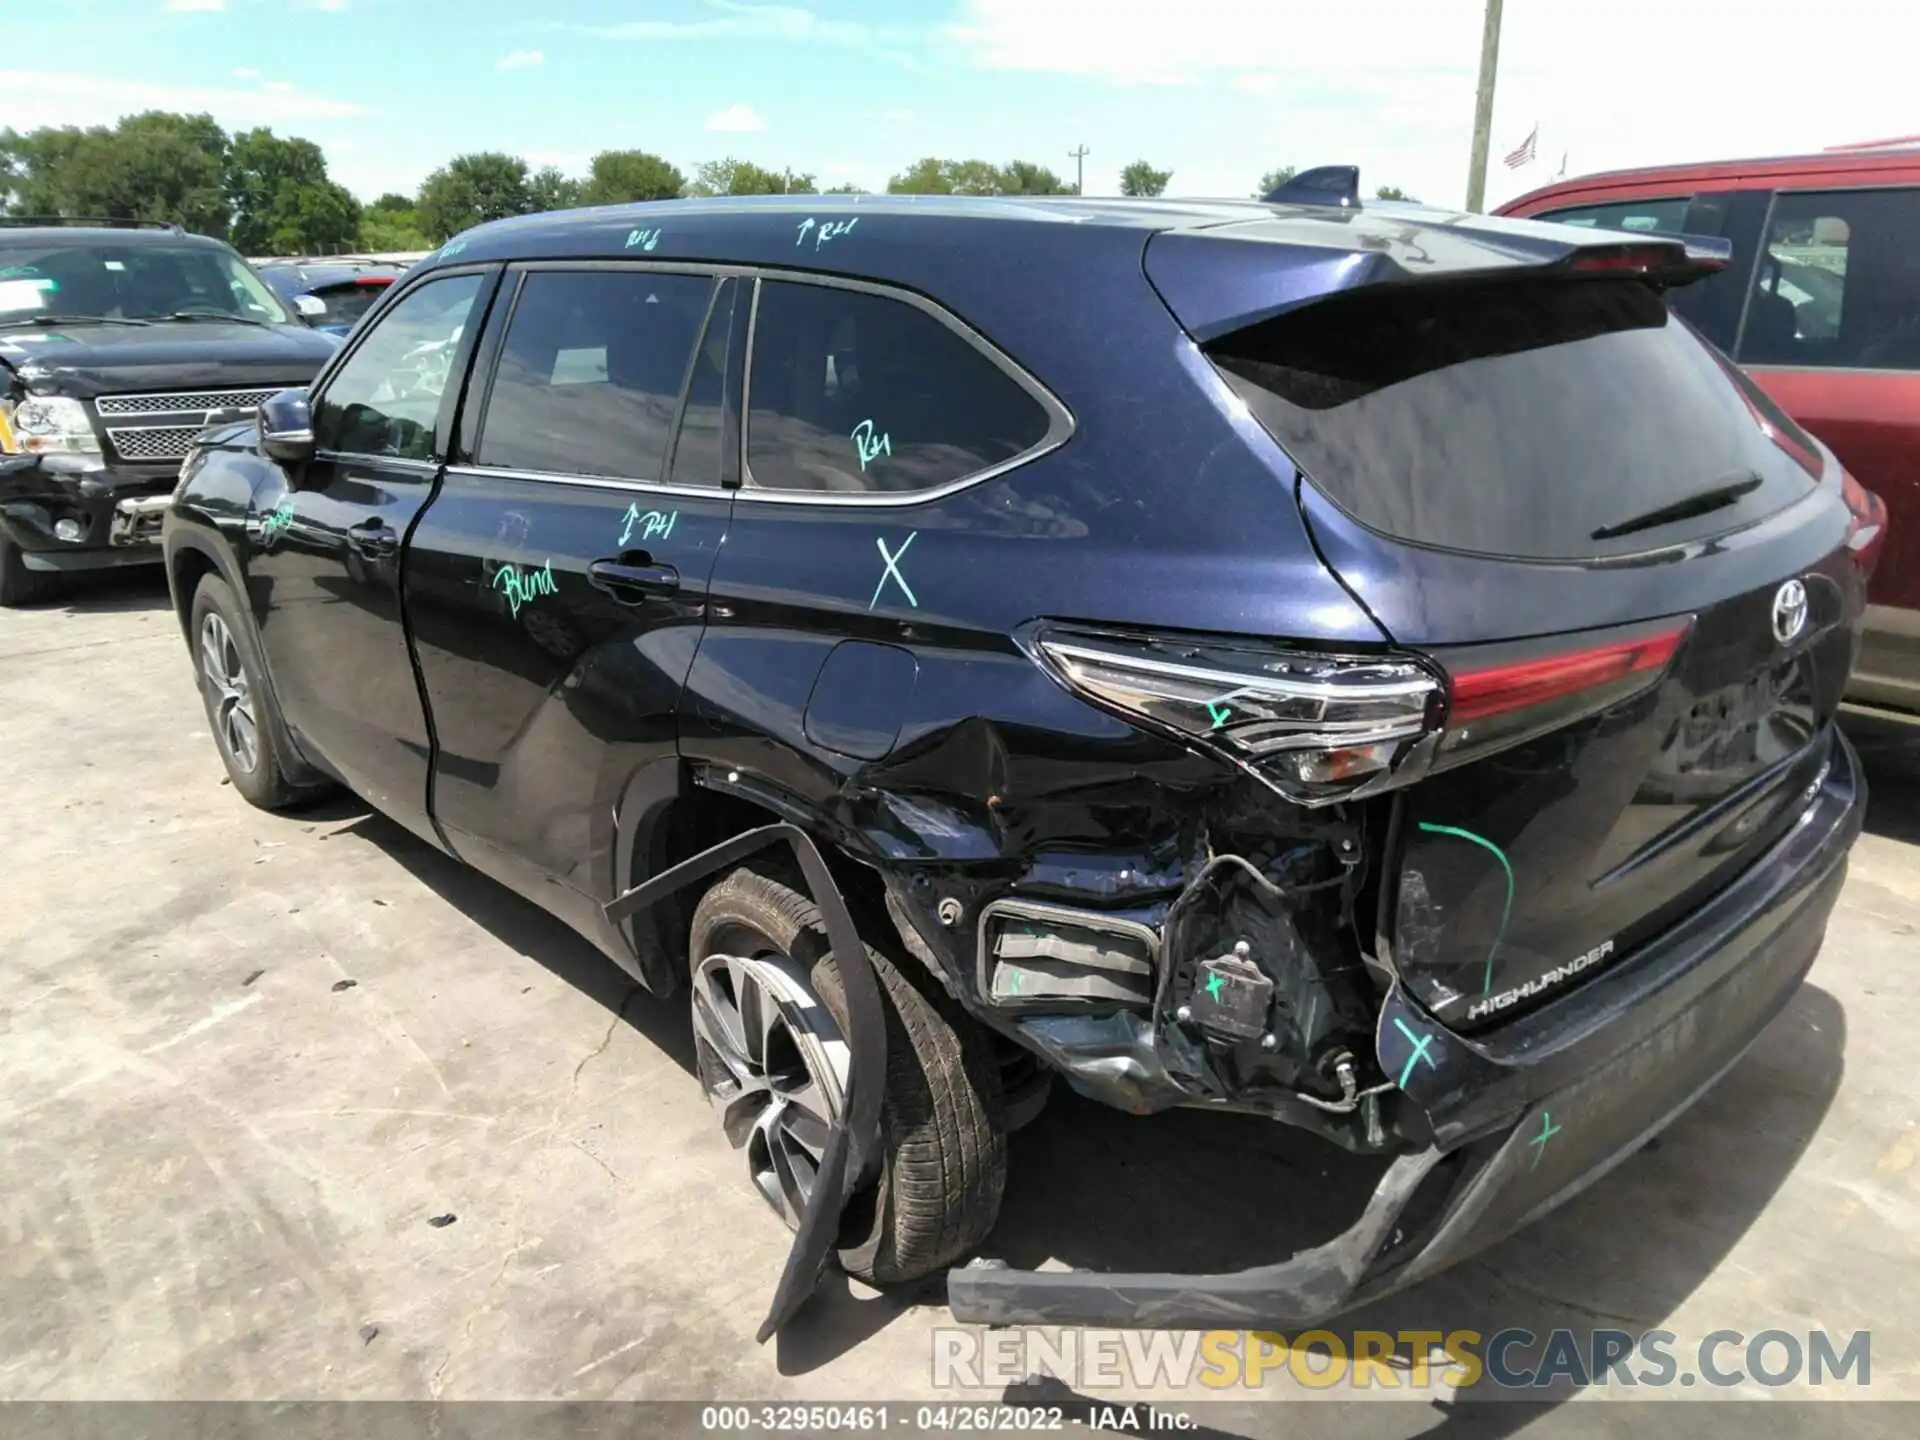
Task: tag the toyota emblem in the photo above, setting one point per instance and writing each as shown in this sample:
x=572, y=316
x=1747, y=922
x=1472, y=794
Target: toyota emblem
x=1789, y=611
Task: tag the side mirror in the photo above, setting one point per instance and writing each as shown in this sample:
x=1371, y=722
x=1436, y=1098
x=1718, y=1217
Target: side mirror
x=286, y=427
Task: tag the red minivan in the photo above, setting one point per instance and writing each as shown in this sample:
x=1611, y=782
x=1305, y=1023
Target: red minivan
x=1822, y=306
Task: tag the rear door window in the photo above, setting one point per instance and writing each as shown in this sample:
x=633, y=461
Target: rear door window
x=1664, y=217
x=1838, y=283
x=1530, y=419
x=591, y=372
x=856, y=393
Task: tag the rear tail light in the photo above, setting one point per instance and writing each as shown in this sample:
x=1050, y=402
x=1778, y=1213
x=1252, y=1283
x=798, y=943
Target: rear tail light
x=1867, y=530
x=1501, y=695
x=1319, y=728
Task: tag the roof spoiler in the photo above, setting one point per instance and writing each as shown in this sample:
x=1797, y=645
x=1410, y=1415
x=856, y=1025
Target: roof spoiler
x=1336, y=185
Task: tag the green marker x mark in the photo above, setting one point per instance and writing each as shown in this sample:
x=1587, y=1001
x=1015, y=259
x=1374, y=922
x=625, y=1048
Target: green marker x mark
x=1539, y=1142
x=1215, y=983
x=1219, y=713
x=1506, y=911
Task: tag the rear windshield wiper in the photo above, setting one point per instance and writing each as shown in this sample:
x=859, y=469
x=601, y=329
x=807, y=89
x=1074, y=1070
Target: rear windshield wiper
x=1716, y=497
x=208, y=315
x=41, y=318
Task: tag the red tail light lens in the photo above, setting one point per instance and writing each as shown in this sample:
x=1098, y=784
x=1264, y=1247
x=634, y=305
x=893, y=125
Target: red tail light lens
x=1867, y=531
x=1481, y=694
x=1501, y=695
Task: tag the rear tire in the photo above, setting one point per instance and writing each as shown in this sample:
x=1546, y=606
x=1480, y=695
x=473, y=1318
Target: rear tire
x=18, y=584
x=943, y=1157
x=240, y=712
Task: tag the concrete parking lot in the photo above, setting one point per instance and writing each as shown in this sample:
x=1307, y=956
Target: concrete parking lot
x=294, y=1107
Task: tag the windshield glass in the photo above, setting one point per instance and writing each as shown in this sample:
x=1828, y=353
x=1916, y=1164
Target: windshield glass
x=131, y=282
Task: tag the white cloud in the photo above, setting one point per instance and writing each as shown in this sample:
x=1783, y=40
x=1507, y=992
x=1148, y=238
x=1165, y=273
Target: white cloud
x=245, y=72
x=520, y=60
x=735, y=119
x=1389, y=85
x=47, y=97
x=280, y=87
x=742, y=22
x=196, y=4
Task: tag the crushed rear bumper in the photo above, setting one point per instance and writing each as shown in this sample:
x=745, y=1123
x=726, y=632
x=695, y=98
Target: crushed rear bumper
x=1525, y=1116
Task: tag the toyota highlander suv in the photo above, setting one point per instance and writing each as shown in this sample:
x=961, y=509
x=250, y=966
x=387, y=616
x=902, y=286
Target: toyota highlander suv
x=1367, y=669
x=117, y=343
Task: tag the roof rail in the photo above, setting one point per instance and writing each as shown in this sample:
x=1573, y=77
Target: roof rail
x=97, y=222
x=1899, y=142
x=1337, y=185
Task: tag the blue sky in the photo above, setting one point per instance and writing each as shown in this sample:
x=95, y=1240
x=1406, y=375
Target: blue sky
x=854, y=90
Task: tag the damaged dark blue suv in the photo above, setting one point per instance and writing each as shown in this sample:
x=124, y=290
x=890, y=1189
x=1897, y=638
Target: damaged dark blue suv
x=1372, y=669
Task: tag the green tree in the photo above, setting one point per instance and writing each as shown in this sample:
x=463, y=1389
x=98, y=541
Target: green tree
x=1023, y=177
x=282, y=201
x=472, y=189
x=392, y=204
x=383, y=228
x=843, y=190
x=934, y=176
x=743, y=177
x=551, y=189
x=1394, y=192
x=1274, y=179
x=1141, y=179
x=618, y=177
x=153, y=166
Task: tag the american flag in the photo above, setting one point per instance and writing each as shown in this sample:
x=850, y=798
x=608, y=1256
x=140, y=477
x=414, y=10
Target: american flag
x=1523, y=155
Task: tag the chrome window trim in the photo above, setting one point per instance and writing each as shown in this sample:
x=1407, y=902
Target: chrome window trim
x=1060, y=421
x=401, y=462
x=596, y=482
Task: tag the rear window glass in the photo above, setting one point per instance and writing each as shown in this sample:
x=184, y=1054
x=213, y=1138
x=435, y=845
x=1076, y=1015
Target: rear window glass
x=1524, y=419
x=345, y=304
x=1665, y=217
x=1838, y=284
x=590, y=375
x=853, y=393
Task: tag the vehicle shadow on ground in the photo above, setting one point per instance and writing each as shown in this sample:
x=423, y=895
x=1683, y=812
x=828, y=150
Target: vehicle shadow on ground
x=1097, y=1190
x=524, y=927
x=1092, y=1188
x=130, y=591
x=1889, y=747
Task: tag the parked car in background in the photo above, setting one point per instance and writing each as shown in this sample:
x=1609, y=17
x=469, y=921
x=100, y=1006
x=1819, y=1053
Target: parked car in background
x=1368, y=670
x=116, y=344
x=1821, y=305
x=331, y=294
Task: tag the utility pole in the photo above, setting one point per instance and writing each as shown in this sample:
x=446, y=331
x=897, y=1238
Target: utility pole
x=1483, y=107
x=1079, y=158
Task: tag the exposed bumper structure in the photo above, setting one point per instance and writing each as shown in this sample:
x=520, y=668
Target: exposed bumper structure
x=1524, y=1117
x=85, y=520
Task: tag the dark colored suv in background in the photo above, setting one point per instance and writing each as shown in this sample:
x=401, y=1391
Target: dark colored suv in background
x=1821, y=305
x=1370, y=669
x=116, y=344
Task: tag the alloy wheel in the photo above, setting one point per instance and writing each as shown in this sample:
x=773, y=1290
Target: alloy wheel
x=774, y=1066
x=226, y=677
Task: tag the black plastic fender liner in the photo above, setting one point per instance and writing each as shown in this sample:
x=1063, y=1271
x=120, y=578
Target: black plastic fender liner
x=853, y=1144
